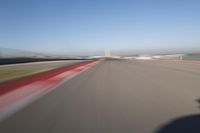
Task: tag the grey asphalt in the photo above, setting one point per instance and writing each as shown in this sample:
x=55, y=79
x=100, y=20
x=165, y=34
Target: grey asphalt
x=115, y=96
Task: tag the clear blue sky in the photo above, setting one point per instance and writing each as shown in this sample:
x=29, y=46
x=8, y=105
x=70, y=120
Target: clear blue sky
x=63, y=26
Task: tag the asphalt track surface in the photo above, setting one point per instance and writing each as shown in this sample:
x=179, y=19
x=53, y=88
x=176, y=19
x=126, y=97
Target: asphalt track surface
x=117, y=96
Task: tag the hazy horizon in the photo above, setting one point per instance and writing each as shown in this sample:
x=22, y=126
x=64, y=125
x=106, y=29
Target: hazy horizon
x=88, y=27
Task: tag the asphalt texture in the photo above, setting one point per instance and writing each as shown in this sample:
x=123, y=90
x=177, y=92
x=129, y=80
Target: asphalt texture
x=117, y=96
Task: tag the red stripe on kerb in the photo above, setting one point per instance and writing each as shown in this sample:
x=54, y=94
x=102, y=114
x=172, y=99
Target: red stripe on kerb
x=15, y=84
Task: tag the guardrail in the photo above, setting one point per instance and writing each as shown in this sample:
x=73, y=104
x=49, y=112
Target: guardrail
x=12, y=56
